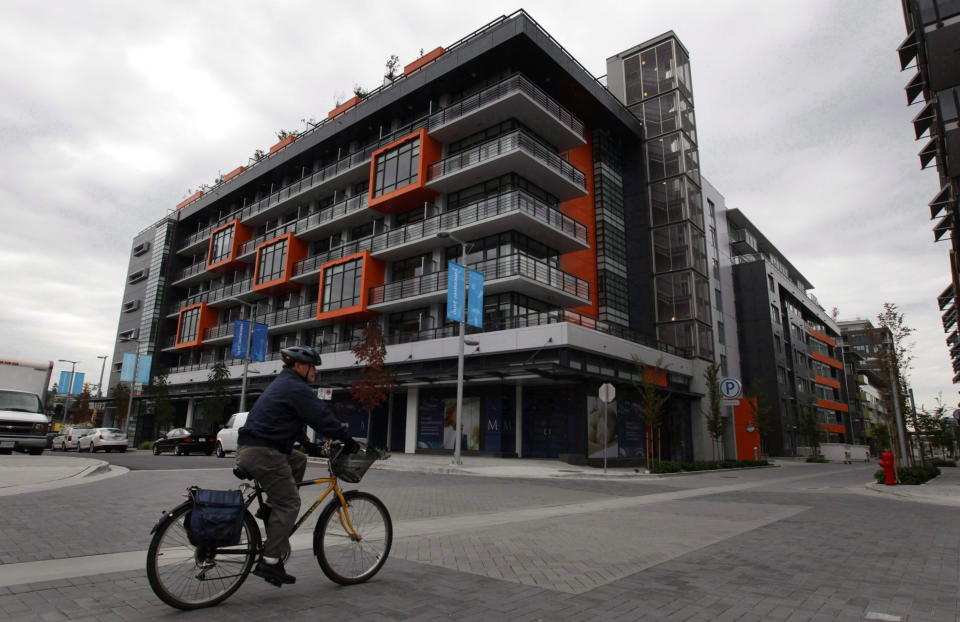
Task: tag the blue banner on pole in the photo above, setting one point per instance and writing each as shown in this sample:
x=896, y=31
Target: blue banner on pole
x=126, y=372
x=238, y=349
x=258, y=347
x=455, y=277
x=64, y=385
x=77, y=383
x=143, y=368
x=475, y=298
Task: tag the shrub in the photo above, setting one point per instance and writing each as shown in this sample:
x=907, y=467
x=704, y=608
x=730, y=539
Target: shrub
x=940, y=462
x=818, y=459
x=664, y=466
x=878, y=475
x=917, y=474
x=146, y=445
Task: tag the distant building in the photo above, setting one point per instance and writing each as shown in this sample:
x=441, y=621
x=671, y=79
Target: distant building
x=930, y=48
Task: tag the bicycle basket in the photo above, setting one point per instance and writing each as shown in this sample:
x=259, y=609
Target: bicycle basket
x=351, y=467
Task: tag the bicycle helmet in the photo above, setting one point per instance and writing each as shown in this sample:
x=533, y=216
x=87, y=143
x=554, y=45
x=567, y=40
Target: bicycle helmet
x=300, y=354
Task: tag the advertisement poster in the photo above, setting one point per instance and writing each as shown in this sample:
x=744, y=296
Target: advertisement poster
x=471, y=423
x=631, y=432
x=596, y=427
x=430, y=413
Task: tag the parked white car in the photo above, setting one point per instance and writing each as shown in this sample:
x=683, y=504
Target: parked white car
x=227, y=436
x=103, y=439
x=72, y=436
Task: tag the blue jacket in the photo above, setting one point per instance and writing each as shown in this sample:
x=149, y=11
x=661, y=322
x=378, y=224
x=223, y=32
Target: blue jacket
x=279, y=416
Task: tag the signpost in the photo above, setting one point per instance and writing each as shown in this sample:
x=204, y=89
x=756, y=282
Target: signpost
x=607, y=394
x=730, y=388
x=325, y=393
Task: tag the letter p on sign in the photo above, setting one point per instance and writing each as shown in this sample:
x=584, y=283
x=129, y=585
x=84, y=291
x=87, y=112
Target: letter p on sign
x=730, y=388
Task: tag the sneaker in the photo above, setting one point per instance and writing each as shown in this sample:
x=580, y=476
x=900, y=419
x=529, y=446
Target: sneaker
x=273, y=573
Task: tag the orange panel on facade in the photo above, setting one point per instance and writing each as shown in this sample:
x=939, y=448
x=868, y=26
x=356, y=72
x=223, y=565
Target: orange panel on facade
x=415, y=193
x=827, y=382
x=350, y=103
x=831, y=405
x=372, y=273
x=830, y=341
x=234, y=173
x=241, y=234
x=583, y=263
x=655, y=375
x=423, y=60
x=836, y=428
x=283, y=143
x=745, y=432
x=190, y=199
x=823, y=358
x=206, y=317
x=296, y=250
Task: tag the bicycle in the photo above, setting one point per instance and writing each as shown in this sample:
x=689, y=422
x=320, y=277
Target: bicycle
x=350, y=549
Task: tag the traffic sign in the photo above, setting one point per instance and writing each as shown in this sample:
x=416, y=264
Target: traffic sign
x=607, y=393
x=730, y=388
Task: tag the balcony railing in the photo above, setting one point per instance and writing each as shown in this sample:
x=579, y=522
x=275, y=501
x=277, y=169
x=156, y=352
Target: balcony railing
x=189, y=271
x=213, y=295
x=270, y=318
x=502, y=267
x=501, y=90
x=515, y=201
x=311, y=264
x=517, y=140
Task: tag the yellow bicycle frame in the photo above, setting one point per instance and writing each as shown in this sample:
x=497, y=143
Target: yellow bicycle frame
x=344, y=513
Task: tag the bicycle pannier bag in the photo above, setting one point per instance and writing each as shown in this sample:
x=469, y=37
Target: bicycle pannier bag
x=216, y=518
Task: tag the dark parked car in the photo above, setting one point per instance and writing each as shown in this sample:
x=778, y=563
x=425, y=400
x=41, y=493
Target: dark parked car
x=182, y=441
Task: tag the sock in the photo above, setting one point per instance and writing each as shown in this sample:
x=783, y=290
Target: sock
x=270, y=560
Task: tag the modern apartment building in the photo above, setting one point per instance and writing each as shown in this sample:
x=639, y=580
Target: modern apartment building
x=933, y=29
x=789, y=346
x=579, y=202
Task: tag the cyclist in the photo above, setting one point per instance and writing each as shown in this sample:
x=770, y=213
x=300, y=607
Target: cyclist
x=265, y=449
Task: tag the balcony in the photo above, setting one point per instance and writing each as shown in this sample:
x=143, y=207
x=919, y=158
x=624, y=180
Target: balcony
x=742, y=241
x=515, y=152
x=517, y=210
x=517, y=272
x=516, y=97
x=191, y=275
x=308, y=270
x=299, y=316
x=219, y=297
x=946, y=297
x=949, y=319
x=199, y=241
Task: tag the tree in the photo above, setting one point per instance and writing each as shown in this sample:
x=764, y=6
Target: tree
x=81, y=413
x=163, y=410
x=810, y=426
x=716, y=426
x=121, y=396
x=391, y=69
x=895, y=361
x=215, y=404
x=281, y=134
x=375, y=383
x=359, y=91
x=652, y=403
x=258, y=155
x=760, y=411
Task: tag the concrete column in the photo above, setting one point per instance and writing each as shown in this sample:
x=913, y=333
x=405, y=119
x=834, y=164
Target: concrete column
x=190, y=404
x=518, y=419
x=410, y=440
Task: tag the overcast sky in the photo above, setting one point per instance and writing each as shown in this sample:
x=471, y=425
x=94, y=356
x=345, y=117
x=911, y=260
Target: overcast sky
x=110, y=112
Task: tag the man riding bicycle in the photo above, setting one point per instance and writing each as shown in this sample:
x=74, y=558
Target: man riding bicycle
x=265, y=449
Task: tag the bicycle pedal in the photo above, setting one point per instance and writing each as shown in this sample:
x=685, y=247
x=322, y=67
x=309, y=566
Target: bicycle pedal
x=274, y=582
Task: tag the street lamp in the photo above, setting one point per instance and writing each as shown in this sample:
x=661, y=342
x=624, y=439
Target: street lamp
x=66, y=404
x=103, y=365
x=462, y=343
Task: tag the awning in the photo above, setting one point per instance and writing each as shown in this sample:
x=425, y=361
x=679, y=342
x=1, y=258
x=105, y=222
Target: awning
x=914, y=88
x=924, y=120
x=928, y=153
x=908, y=50
x=940, y=200
x=943, y=227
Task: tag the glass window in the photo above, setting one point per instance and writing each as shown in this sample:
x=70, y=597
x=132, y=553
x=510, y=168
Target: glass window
x=273, y=259
x=341, y=285
x=721, y=334
x=397, y=167
x=189, y=321
x=222, y=245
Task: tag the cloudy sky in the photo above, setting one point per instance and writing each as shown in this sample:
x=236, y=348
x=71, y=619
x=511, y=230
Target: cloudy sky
x=110, y=112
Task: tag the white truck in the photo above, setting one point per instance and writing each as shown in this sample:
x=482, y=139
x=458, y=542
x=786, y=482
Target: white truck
x=23, y=388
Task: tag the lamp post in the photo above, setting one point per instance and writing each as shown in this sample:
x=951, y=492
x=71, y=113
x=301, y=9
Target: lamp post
x=66, y=404
x=103, y=365
x=133, y=382
x=461, y=344
x=251, y=316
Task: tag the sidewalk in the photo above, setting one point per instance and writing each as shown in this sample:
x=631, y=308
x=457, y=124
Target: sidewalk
x=942, y=490
x=20, y=473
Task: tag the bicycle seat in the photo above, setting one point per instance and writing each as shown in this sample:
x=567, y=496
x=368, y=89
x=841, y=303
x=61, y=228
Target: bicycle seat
x=241, y=473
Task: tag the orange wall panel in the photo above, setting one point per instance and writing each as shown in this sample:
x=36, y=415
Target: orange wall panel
x=241, y=234
x=748, y=442
x=296, y=250
x=830, y=341
x=190, y=199
x=413, y=194
x=823, y=358
x=655, y=375
x=836, y=428
x=423, y=60
x=350, y=103
x=283, y=143
x=208, y=317
x=234, y=173
x=372, y=274
x=584, y=263
x=831, y=405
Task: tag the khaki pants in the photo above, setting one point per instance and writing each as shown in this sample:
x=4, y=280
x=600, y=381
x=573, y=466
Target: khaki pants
x=277, y=474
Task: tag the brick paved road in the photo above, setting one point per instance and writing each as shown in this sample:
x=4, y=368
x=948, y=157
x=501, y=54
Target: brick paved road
x=798, y=543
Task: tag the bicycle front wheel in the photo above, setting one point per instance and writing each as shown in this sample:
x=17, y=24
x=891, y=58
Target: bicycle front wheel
x=189, y=577
x=352, y=546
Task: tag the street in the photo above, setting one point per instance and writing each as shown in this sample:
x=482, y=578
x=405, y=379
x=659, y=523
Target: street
x=798, y=542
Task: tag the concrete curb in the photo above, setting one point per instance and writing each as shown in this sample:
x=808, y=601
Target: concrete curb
x=89, y=472
x=903, y=492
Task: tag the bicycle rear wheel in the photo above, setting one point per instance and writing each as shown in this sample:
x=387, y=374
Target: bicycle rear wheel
x=188, y=577
x=348, y=558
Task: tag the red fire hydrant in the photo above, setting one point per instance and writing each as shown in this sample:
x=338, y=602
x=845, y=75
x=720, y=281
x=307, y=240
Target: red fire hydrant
x=886, y=462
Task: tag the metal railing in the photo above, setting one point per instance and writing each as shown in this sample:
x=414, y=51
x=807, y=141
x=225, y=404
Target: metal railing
x=517, y=264
x=189, y=271
x=513, y=201
x=327, y=214
x=213, y=295
x=270, y=318
x=514, y=84
x=311, y=264
x=513, y=141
